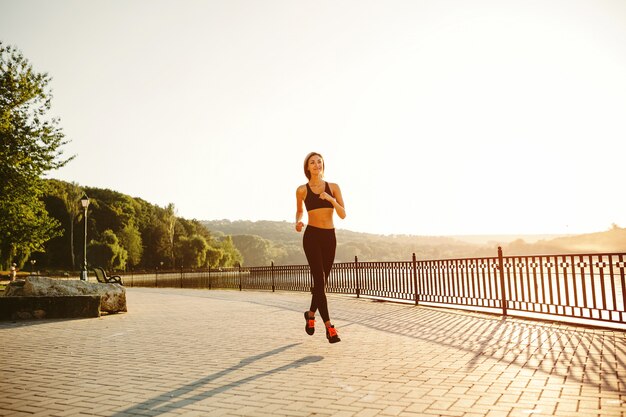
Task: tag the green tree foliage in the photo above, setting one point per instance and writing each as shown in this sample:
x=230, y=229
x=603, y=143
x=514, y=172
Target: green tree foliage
x=69, y=195
x=130, y=239
x=154, y=236
x=169, y=219
x=128, y=232
x=30, y=146
x=230, y=254
x=213, y=256
x=254, y=249
x=113, y=210
x=107, y=252
x=192, y=251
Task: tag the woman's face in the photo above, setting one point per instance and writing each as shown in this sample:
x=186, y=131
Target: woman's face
x=316, y=165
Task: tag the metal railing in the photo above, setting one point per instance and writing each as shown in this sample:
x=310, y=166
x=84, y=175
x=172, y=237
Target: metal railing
x=587, y=287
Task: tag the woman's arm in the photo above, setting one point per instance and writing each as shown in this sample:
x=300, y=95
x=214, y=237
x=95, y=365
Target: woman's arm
x=337, y=202
x=300, y=195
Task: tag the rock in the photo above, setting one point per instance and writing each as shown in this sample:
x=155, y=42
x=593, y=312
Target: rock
x=23, y=315
x=15, y=289
x=39, y=314
x=58, y=307
x=113, y=296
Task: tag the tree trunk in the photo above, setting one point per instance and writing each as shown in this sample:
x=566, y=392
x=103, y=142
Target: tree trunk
x=72, y=242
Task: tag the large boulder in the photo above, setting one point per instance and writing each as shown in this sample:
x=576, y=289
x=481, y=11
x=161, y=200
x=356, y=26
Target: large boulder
x=112, y=296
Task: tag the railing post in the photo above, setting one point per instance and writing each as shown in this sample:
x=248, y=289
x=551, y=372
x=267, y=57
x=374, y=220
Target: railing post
x=273, y=286
x=181, y=277
x=239, y=265
x=209, y=277
x=502, y=288
x=156, y=277
x=356, y=273
x=416, y=289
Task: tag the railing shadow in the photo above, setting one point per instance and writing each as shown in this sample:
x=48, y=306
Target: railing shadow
x=185, y=395
x=540, y=346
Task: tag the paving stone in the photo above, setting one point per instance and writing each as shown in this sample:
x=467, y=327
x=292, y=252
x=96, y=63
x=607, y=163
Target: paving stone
x=199, y=352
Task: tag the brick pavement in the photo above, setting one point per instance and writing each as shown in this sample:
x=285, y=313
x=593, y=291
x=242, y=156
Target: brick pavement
x=208, y=353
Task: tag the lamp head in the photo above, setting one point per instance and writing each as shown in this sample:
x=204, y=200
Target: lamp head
x=84, y=201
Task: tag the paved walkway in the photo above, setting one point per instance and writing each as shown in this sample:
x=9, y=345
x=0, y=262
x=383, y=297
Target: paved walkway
x=206, y=353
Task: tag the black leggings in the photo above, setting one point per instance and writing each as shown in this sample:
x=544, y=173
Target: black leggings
x=319, y=247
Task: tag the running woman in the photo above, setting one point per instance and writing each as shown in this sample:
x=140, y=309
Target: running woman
x=321, y=200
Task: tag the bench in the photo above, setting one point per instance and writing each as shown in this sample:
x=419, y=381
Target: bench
x=102, y=277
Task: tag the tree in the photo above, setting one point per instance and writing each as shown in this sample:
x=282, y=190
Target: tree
x=169, y=218
x=154, y=237
x=30, y=146
x=213, y=256
x=230, y=255
x=130, y=239
x=107, y=252
x=112, y=209
x=254, y=249
x=69, y=194
x=192, y=251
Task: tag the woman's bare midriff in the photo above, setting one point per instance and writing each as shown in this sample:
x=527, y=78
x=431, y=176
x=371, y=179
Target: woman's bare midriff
x=322, y=218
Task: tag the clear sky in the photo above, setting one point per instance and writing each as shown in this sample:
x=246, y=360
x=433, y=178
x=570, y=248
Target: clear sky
x=435, y=117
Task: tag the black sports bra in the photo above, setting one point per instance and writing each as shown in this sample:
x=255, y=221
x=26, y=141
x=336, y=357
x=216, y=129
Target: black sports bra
x=313, y=201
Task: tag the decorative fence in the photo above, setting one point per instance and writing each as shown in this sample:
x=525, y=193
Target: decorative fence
x=587, y=287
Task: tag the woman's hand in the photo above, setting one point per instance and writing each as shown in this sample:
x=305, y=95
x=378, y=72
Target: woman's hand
x=325, y=196
x=299, y=226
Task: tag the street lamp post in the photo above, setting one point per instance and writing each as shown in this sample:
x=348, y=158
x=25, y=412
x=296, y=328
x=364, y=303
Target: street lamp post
x=84, y=201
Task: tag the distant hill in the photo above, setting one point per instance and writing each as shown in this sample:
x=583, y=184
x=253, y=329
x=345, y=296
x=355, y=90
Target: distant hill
x=503, y=239
x=270, y=230
x=262, y=242
x=613, y=240
x=284, y=232
x=282, y=238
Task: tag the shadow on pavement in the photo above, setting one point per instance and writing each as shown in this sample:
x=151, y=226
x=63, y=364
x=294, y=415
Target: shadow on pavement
x=554, y=351
x=591, y=357
x=560, y=351
x=183, y=396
